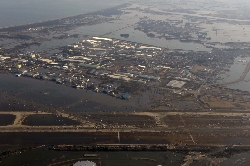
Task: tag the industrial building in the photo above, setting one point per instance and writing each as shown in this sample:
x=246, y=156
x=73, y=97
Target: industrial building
x=84, y=163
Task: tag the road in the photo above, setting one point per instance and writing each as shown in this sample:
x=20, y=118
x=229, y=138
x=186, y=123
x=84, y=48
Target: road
x=115, y=130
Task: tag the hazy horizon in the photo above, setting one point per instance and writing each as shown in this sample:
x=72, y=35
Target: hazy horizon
x=16, y=12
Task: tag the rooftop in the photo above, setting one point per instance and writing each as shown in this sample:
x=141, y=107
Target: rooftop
x=176, y=84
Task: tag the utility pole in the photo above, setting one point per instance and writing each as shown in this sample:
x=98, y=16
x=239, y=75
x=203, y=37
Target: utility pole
x=118, y=136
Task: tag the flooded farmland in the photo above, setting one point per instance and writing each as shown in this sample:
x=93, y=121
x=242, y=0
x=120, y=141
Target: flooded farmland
x=48, y=120
x=6, y=119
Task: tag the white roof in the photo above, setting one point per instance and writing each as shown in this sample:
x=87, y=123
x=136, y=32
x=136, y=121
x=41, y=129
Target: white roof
x=176, y=84
x=150, y=47
x=102, y=38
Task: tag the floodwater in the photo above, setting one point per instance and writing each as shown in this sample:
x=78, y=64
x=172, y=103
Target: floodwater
x=234, y=73
x=6, y=119
x=235, y=70
x=48, y=120
x=123, y=119
x=30, y=139
x=104, y=158
x=115, y=28
x=218, y=31
x=52, y=46
x=241, y=159
x=29, y=94
x=140, y=37
x=238, y=159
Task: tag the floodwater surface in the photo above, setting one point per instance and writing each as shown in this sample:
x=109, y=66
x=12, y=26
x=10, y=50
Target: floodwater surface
x=48, y=120
x=7, y=119
x=29, y=94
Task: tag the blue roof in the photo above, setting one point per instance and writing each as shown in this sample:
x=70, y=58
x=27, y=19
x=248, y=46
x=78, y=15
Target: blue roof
x=125, y=95
x=105, y=90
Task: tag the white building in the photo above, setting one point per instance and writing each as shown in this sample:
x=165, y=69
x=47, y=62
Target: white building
x=102, y=38
x=84, y=163
x=176, y=84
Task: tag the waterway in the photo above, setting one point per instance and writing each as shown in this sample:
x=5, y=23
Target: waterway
x=234, y=73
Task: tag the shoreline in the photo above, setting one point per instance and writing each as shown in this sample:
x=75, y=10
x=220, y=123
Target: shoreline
x=41, y=23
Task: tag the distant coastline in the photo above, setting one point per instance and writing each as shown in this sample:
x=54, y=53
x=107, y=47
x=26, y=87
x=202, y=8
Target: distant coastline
x=31, y=13
x=55, y=21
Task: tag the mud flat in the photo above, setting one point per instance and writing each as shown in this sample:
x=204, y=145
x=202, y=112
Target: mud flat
x=48, y=120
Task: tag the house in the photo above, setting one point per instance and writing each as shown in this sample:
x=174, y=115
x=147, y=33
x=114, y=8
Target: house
x=106, y=91
x=125, y=96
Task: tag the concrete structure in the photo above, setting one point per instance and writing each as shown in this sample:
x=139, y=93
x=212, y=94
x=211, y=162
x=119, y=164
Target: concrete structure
x=4, y=58
x=176, y=84
x=102, y=38
x=150, y=77
x=45, y=60
x=88, y=65
x=150, y=48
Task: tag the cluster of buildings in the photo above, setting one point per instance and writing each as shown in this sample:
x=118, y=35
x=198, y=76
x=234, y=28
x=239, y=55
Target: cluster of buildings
x=102, y=64
x=111, y=58
x=172, y=30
